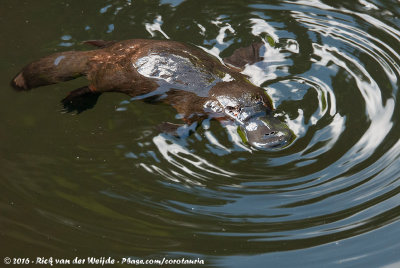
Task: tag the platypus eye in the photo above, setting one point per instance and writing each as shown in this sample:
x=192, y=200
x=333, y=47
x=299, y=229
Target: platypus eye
x=233, y=111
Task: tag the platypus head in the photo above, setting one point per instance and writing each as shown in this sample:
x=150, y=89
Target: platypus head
x=253, y=113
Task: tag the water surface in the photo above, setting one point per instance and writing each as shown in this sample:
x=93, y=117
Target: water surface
x=106, y=183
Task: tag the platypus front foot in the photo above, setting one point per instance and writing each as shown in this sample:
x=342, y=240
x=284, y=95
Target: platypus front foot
x=169, y=128
x=79, y=100
x=177, y=130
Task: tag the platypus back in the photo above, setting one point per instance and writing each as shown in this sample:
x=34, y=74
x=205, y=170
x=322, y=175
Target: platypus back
x=195, y=83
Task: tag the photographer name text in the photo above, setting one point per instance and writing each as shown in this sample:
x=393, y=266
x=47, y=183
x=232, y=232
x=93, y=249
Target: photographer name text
x=50, y=261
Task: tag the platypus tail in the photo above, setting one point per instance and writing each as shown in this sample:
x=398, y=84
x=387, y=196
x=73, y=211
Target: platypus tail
x=52, y=69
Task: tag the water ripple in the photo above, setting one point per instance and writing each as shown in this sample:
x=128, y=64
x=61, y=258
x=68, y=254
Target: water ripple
x=332, y=72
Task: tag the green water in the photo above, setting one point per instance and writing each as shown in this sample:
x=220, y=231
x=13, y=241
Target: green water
x=106, y=183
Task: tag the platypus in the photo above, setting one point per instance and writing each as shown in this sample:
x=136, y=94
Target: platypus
x=197, y=84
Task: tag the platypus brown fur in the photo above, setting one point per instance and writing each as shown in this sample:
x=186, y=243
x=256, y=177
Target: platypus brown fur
x=195, y=83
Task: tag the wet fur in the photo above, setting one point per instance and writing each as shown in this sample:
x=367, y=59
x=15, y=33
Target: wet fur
x=109, y=69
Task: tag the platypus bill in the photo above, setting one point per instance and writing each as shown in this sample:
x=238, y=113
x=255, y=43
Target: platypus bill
x=196, y=83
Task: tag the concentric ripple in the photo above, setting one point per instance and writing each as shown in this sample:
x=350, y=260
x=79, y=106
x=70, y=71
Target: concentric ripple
x=333, y=75
x=332, y=70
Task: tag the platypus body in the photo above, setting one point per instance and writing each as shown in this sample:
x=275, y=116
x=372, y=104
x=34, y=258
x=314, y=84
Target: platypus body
x=196, y=83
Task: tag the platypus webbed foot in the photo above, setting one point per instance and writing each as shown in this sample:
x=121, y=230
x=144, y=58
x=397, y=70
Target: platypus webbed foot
x=245, y=55
x=80, y=99
x=177, y=130
x=169, y=128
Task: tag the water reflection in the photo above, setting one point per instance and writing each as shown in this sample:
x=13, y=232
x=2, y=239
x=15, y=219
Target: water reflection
x=156, y=26
x=332, y=71
x=328, y=181
x=176, y=154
